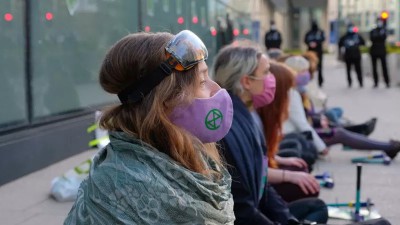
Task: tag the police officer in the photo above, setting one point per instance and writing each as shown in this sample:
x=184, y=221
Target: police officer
x=378, y=51
x=314, y=39
x=351, y=42
x=273, y=38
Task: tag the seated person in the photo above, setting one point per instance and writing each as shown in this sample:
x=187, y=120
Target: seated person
x=157, y=169
x=244, y=71
x=315, y=100
x=298, y=122
x=318, y=99
x=272, y=117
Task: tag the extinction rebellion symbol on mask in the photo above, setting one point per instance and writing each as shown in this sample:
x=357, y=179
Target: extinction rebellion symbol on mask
x=213, y=119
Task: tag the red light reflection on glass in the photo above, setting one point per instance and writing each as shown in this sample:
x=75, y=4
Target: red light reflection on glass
x=195, y=19
x=213, y=31
x=181, y=20
x=236, y=32
x=147, y=28
x=49, y=16
x=8, y=17
x=246, y=31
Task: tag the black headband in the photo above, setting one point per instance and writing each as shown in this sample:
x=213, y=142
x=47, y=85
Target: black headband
x=135, y=92
x=183, y=52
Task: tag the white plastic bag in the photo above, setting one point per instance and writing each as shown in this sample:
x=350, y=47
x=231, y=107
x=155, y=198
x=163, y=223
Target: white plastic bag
x=65, y=188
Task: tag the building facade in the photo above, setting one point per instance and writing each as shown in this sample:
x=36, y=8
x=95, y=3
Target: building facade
x=51, y=52
x=363, y=13
x=292, y=17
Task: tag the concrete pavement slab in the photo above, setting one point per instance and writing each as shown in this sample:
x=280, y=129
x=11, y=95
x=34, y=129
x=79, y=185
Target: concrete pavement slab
x=27, y=200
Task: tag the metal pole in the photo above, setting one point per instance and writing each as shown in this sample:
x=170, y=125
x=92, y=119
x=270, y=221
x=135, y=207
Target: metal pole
x=28, y=64
x=357, y=216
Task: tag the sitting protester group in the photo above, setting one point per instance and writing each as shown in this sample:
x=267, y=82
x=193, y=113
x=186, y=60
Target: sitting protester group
x=236, y=146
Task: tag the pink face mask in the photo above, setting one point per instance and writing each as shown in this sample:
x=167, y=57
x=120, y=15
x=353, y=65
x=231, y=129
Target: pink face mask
x=268, y=94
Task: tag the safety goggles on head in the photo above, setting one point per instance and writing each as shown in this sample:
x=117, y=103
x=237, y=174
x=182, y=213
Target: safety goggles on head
x=186, y=50
x=183, y=52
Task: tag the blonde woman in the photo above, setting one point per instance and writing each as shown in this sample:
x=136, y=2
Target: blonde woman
x=244, y=71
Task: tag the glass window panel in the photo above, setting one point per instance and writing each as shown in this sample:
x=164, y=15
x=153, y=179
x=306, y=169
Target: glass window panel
x=179, y=7
x=193, y=8
x=150, y=7
x=154, y=24
x=13, y=104
x=69, y=40
x=166, y=5
x=203, y=16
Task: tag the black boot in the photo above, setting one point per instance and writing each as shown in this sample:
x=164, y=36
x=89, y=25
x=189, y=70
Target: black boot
x=365, y=128
x=392, y=153
x=370, y=126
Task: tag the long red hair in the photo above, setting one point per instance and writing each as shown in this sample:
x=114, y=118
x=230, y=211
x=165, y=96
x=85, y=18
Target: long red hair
x=274, y=114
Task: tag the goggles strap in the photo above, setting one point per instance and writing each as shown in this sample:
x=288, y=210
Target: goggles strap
x=135, y=92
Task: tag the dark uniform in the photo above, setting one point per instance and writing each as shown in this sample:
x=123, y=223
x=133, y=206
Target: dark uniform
x=351, y=42
x=378, y=51
x=314, y=39
x=224, y=32
x=229, y=30
x=221, y=33
x=273, y=39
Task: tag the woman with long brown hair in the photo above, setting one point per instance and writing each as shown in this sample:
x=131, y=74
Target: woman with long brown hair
x=162, y=165
x=274, y=114
x=294, y=183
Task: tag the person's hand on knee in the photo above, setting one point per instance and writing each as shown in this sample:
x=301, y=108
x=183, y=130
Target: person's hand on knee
x=306, y=181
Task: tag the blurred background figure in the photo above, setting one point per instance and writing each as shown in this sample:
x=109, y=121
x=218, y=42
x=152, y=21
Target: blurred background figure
x=221, y=33
x=314, y=40
x=229, y=29
x=377, y=51
x=350, y=43
x=273, y=38
x=224, y=31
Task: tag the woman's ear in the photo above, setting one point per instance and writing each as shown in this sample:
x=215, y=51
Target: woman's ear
x=245, y=82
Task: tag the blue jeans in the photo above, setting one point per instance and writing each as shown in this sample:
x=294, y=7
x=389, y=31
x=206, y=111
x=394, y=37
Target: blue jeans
x=334, y=114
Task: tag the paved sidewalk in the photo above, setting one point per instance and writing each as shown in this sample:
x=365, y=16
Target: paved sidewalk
x=26, y=201
x=380, y=183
